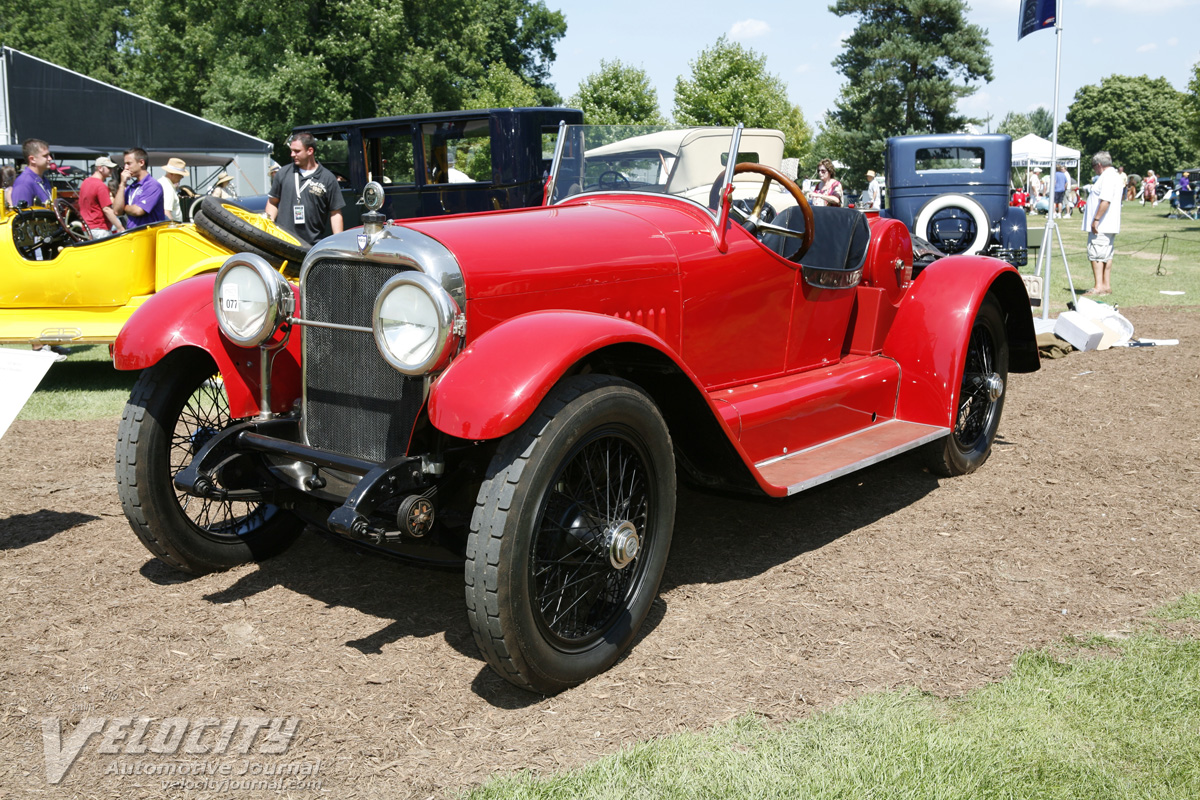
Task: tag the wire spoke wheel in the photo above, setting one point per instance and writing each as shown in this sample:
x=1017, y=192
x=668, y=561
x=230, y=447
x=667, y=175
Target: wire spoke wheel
x=570, y=534
x=980, y=396
x=600, y=491
x=205, y=413
x=176, y=407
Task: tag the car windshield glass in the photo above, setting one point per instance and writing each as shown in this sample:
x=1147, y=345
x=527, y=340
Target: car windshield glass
x=683, y=162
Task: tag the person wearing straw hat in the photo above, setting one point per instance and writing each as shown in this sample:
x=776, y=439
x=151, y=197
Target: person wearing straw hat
x=95, y=201
x=223, y=188
x=871, y=195
x=174, y=171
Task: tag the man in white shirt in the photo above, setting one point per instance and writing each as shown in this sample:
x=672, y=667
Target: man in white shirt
x=1102, y=220
x=174, y=171
x=870, y=198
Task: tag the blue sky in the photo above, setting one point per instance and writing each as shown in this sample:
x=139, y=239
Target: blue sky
x=1159, y=38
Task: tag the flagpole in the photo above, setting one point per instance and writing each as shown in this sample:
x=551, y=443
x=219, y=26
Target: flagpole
x=1051, y=224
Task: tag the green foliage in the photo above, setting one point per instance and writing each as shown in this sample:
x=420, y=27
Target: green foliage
x=1139, y=120
x=798, y=136
x=87, y=36
x=1192, y=108
x=500, y=87
x=907, y=63
x=618, y=94
x=263, y=66
x=1042, y=121
x=1068, y=723
x=1015, y=124
x=730, y=84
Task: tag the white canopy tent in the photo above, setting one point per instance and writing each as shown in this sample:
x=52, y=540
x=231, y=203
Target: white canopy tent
x=1032, y=151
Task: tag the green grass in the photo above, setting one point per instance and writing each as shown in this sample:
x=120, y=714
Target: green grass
x=85, y=386
x=1141, y=270
x=1096, y=719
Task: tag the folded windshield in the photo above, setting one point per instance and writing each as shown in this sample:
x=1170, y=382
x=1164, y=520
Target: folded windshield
x=683, y=162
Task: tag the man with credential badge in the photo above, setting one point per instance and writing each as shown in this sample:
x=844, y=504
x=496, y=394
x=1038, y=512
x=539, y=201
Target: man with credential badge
x=308, y=193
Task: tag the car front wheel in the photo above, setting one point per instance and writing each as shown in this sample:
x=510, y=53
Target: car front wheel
x=570, y=534
x=175, y=407
x=980, y=396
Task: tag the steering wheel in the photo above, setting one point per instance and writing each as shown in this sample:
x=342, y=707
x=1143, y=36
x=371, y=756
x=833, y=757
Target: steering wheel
x=758, y=221
x=618, y=182
x=63, y=212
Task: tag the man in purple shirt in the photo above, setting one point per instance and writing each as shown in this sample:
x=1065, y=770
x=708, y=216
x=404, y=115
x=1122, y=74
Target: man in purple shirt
x=31, y=187
x=142, y=200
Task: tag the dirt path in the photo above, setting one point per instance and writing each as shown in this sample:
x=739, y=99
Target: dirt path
x=1085, y=518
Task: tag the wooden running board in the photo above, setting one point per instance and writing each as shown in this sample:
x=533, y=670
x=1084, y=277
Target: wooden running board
x=824, y=462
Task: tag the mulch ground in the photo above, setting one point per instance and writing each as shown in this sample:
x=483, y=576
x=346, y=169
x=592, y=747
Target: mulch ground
x=1084, y=519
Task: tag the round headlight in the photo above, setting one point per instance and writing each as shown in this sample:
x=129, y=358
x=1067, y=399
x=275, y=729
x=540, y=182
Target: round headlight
x=251, y=299
x=412, y=322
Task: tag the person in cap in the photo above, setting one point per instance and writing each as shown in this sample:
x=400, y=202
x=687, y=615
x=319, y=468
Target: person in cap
x=95, y=201
x=173, y=173
x=871, y=196
x=223, y=188
x=142, y=198
x=31, y=187
x=307, y=192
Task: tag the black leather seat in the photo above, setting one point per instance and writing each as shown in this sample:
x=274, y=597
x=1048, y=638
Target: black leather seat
x=840, y=242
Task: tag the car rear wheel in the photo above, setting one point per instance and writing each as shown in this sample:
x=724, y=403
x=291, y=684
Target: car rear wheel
x=175, y=407
x=980, y=397
x=570, y=534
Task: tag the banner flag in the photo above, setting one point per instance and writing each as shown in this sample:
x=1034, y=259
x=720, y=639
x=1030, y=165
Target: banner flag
x=1036, y=15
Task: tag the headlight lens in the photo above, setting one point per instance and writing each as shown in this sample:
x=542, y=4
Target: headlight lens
x=412, y=322
x=251, y=299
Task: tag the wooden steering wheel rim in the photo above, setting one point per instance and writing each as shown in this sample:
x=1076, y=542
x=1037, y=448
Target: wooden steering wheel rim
x=787, y=183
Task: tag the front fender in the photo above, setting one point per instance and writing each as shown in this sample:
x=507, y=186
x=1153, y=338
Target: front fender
x=929, y=336
x=495, y=384
x=182, y=315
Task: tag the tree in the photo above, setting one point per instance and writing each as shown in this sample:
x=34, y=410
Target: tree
x=1015, y=124
x=82, y=35
x=797, y=135
x=1042, y=121
x=907, y=63
x=263, y=66
x=730, y=84
x=1192, y=108
x=617, y=95
x=1136, y=119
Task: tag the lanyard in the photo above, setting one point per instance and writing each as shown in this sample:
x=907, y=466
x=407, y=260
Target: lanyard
x=300, y=188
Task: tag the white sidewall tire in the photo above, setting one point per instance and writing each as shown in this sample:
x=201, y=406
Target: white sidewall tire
x=968, y=204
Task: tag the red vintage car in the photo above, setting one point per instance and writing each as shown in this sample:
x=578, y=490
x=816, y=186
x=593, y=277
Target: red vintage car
x=520, y=390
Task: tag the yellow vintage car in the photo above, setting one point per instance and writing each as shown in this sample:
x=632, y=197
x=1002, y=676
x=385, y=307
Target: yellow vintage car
x=58, y=287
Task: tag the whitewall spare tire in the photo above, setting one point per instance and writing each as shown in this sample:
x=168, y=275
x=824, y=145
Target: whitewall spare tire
x=970, y=206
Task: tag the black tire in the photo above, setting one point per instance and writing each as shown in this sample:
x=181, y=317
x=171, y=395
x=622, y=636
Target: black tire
x=175, y=406
x=219, y=215
x=981, y=396
x=231, y=242
x=541, y=520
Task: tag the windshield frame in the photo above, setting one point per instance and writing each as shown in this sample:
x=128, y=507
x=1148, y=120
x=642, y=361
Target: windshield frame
x=560, y=170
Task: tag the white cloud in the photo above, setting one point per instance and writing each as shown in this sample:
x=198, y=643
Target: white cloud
x=749, y=29
x=1174, y=40
x=803, y=67
x=1146, y=48
x=1097, y=40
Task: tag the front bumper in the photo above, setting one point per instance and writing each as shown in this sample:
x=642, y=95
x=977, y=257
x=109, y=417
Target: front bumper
x=264, y=460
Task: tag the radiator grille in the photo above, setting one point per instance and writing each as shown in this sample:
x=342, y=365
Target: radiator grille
x=356, y=403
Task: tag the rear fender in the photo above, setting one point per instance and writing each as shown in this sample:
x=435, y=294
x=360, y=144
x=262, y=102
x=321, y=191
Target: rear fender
x=182, y=315
x=495, y=384
x=929, y=336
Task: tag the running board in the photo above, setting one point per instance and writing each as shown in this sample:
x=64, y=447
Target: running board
x=824, y=462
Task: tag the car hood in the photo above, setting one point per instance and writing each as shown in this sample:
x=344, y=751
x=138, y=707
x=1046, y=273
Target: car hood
x=550, y=249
